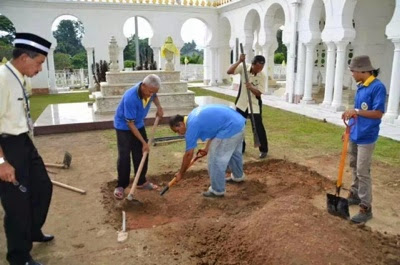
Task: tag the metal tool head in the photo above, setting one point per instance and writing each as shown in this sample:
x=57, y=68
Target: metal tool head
x=164, y=190
x=67, y=160
x=337, y=206
x=131, y=199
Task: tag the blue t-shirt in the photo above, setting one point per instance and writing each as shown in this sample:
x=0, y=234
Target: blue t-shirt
x=372, y=97
x=131, y=108
x=212, y=121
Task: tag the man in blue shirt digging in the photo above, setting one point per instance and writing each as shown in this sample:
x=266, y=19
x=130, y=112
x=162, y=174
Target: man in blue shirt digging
x=131, y=132
x=223, y=128
x=369, y=106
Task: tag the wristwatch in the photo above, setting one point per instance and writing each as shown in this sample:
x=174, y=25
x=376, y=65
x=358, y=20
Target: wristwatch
x=357, y=111
x=2, y=160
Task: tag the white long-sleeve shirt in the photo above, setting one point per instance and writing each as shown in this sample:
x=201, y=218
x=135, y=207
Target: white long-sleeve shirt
x=13, y=118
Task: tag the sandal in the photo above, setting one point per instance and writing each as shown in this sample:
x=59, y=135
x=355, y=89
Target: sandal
x=148, y=186
x=119, y=193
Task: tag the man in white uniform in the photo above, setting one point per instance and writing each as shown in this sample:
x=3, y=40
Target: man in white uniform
x=25, y=187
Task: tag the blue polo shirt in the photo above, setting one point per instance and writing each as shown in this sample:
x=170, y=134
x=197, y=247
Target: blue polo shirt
x=132, y=108
x=212, y=121
x=369, y=96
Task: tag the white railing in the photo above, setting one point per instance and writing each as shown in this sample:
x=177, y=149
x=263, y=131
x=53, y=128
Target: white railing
x=192, y=72
x=70, y=79
x=279, y=72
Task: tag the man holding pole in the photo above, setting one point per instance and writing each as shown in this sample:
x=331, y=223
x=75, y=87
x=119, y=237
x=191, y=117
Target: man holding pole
x=256, y=85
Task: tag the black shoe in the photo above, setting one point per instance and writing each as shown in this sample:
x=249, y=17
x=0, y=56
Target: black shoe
x=32, y=262
x=263, y=155
x=44, y=238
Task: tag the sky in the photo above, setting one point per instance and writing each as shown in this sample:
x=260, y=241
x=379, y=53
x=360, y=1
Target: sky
x=192, y=29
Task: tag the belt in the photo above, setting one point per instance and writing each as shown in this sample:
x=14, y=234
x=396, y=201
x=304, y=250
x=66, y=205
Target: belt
x=6, y=135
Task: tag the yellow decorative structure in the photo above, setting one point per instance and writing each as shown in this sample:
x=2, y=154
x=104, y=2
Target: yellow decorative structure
x=168, y=50
x=169, y=46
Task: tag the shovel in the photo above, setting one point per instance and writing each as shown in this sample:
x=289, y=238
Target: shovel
x=337, y=205
x=123, y=235
x=200, y=153
x=139, y=171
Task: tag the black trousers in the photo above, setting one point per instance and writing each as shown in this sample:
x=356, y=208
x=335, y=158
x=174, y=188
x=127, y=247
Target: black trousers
x=262, y=134
x=128, y=144
x=25, y=212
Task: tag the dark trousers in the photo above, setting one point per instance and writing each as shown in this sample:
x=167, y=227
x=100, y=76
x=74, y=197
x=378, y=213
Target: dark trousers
x=128, y=144
x=262, y=134
x=25, y=212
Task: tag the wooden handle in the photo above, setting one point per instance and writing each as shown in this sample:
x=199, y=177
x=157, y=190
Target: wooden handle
x=139, y=171
x=343, y=158
x=68, y=187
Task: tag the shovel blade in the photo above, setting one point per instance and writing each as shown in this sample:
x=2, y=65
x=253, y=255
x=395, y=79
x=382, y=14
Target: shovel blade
x=164, y=190
x=337, y=206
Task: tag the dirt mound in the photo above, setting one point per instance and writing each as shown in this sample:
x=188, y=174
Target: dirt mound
x=268, y=219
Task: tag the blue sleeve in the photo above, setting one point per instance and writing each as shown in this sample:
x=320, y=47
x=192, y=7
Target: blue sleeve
x=130, y=108
x=378, y=102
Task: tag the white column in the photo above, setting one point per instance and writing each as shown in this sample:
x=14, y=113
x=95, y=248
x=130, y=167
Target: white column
x=137, y=42
x=290, y=81
x=266, y=66
x=177, y=59
x=301, y=62
x=220, y=62
x=213, y=67
x=339, y=73
x=121, y=58
x=89, y=54
x=248, y=50
x=157, y=56
x=52, y=71
x=394, y=93
x=307, y=99
x=330, y=74
x=206, y=62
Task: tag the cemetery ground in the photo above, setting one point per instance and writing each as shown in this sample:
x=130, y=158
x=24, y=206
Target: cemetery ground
x=277, y=216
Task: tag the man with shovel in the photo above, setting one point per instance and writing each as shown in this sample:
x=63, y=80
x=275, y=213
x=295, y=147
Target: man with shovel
x=25, y=186
x=366, y=115
x=131, y=132
x=256, y=85
x=223, y=127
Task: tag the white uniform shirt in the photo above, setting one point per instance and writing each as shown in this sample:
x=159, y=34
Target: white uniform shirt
x=258, y=81
x=12, y=112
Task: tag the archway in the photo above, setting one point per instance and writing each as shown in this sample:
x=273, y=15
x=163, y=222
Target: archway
x=137, y=53
x=196, y=37
x=70, y=57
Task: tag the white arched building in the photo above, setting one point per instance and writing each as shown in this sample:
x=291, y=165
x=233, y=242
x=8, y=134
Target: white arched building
x=321, y=37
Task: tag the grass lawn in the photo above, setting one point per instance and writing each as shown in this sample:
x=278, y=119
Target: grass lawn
x=295, y=133
x=40, y=102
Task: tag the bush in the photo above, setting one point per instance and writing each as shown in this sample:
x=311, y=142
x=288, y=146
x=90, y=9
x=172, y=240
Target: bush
x=279, y=58
x=62, y=61
x=79, y=60
x=129, y=64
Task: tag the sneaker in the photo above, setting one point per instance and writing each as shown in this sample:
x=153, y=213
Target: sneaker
x=263, y=155
x=210, y=194
x=233, y=180
x=353, y=199
x=363, y=215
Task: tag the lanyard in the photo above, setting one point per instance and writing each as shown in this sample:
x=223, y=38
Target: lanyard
x=27, y=110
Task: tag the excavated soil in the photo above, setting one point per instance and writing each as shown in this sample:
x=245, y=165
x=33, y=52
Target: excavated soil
x=268, y=219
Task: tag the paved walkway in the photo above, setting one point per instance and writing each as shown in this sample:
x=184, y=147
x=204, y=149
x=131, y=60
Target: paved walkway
x=391, y=131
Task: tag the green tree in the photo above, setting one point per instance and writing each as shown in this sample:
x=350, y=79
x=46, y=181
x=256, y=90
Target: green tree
x=146, y=55
x=79, y=60
x=62, y=61
x=194, y=55
x=69, y=35
x=281, y=47
x=7, y=30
